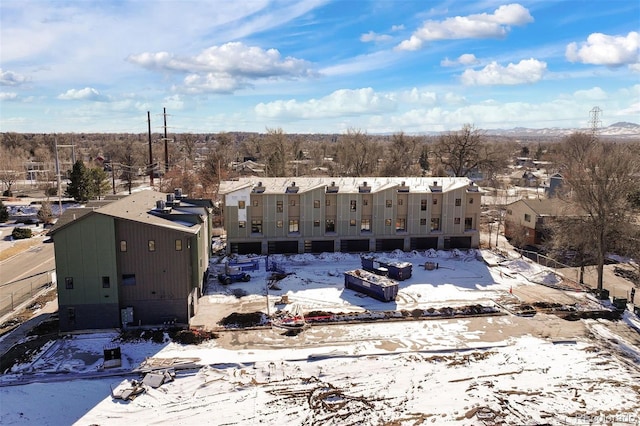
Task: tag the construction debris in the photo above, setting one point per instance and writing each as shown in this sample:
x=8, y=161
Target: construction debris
x=156, y=364
x=158, y=378
x=130, y=392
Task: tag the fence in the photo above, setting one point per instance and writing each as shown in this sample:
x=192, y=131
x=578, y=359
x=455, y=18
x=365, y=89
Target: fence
x=570, y=273
x=15, y=293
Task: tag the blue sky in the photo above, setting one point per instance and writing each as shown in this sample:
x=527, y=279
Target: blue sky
x=316, y=66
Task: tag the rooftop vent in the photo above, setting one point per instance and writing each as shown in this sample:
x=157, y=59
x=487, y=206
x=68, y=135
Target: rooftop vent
x=403, y=187
x=258, y=189
x=292, y=189
x=364, y=188
x=332, y=189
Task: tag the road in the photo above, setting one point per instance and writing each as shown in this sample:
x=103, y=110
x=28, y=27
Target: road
x=25, y=273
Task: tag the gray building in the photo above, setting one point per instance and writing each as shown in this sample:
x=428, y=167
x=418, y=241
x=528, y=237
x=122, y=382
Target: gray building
x=312, y=215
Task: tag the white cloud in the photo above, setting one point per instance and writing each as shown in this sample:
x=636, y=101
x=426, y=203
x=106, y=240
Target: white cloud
x=635, y=67
x=397, y=27
x=8, y=96
x=465, y=59
x=226, y=68
x=374, y=37
x=593, y=94
x=9, y=78
x=86, y=94
x=337, y=104
x=525, y=71
x=483, y=25
x=603, y=49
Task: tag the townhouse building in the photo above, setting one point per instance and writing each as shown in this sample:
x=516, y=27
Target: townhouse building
x=328, y=214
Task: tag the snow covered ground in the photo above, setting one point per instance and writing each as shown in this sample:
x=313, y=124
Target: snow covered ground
x=501, y=369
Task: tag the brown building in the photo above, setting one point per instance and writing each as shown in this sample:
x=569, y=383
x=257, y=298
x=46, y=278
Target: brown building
x=526, y=219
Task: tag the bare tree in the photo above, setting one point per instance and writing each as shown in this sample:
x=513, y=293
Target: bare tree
x=357, y=154
x=402, y=155
x=459, y=152
x=276, y=152
x=601, y=176
x=11, y=166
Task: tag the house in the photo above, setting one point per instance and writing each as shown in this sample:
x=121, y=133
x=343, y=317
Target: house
x=139, y=260
x=524, y=178
x=322, y=214
x=526, y=219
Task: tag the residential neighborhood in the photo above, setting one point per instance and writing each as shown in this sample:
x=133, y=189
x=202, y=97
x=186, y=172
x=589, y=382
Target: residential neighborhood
x=321, y=212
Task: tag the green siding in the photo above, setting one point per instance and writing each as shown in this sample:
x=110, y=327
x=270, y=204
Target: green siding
x=85, y=252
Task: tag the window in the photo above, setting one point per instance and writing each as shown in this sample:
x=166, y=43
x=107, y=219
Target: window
x=68, y=283
x=242, y=224
x=123, y=245
x=128, y=279
x=292, y=202
x=435, y=201
x=456, y=221
x=241, y=205
x=278, y=224
x=365, y=202
x=316, y=204
x=106, y=282
x=401, y=224
x=468, y=223
x=423, y=222
x=509, y=212
x=388, y=203
x=151, y=244
x=71, y=314
x=423, y=205
x=352, y=205
x=178, y=245
x=527, y=217
x=256, y=226
x=327, y=202
x=470, y=200
x=352, y=222
x=365, y=225
x=400, y=201
x=293, y=225
x=458, y=201
x=435, y=224
x=279, y=206
x=316, y=223
x=330, y=225
x=387, y=222
x=256, y=203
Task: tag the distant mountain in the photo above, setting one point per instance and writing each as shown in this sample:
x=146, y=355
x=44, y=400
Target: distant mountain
x=621, y=130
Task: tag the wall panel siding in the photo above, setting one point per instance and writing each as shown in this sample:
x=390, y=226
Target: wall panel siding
x=162, y=276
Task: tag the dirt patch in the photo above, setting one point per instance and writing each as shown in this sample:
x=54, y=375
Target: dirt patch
x=43, y=333
x=239, y=320
x=18, y=247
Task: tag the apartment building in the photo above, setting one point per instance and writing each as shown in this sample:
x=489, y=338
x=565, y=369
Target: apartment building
x=139, y=260
x=328, y=214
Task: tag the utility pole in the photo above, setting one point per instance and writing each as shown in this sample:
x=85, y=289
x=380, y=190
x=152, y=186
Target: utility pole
x=150, y=151
x=58, y=171
x=166, y=150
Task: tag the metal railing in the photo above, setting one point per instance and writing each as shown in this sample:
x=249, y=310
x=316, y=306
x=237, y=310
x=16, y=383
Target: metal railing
x=24, y=290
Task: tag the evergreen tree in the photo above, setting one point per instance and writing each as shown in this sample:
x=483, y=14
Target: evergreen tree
x=99, y=184
x=4, y=213
x=79, y=186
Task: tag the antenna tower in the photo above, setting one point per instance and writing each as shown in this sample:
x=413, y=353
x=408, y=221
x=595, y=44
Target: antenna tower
x=595, y=121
